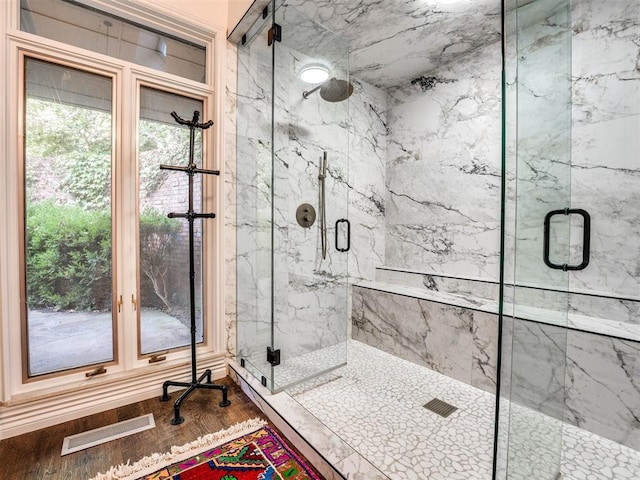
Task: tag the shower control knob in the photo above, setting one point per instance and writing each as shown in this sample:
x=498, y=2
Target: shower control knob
x=306, y=215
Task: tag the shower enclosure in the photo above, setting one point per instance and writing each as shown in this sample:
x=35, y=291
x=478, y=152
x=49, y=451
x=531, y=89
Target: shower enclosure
x=535, y=292
x=293, y=228
x=571, y=358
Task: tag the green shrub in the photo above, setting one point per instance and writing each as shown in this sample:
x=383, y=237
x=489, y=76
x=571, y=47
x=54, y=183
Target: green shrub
x=69, y=256
x=158, y=243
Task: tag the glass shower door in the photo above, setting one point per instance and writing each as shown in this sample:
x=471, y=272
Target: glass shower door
x=570, y=350
x=310, y=199
x=537, y=96
x=254, y=201
x=292, y=230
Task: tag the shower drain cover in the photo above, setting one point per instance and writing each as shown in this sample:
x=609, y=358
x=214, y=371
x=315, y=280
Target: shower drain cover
x=440, y=407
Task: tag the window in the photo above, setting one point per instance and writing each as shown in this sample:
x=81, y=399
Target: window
x=102, y=274
x=164, y=244
x=70, y=22
x=67, y=207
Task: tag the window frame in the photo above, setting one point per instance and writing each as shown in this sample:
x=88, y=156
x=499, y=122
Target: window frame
x=57, y=396
x=143, y=80
x=116, y=153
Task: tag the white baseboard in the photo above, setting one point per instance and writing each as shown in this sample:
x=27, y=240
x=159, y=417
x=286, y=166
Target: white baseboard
x=43, y=412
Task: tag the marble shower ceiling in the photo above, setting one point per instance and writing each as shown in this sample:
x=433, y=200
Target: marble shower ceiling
x=392, y=42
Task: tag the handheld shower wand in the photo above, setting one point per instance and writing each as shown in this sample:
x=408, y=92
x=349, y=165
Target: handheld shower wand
x=323, y=211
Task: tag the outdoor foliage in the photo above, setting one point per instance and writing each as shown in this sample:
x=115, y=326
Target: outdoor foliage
x=68, y=180
x=79, y=139
x=78, y=143
x=69, y=256
x=158, y=244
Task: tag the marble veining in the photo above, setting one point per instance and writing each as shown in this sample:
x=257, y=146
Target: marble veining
x=444, y=132
x=394, y=42
x=578, y=91
x=455, y=341
x=311, y=296
x=230, y=204
x=583, y=377
x=411, y=147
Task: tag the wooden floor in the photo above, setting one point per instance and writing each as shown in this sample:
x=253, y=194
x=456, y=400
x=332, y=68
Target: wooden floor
x=36, y=455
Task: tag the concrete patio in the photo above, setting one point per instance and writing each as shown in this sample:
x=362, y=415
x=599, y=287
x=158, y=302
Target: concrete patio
x=61, y=340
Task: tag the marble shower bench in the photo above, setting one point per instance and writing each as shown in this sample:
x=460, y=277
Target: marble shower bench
x=451, y=334
x=565, y=366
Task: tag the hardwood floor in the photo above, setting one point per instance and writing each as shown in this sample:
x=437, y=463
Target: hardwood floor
x=36, y=455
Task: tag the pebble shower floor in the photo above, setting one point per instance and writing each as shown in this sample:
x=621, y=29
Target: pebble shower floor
x=376, y=405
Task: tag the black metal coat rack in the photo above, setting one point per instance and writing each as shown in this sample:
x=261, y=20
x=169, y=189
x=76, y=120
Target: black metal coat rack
x=190, y=215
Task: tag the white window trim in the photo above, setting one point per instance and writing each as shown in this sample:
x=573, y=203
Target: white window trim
x=28, y=406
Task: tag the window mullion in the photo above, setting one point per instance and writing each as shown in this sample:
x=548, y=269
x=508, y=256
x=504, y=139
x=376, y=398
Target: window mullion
x=126, y=249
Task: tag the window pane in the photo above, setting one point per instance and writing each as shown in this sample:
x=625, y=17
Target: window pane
x=165, y=317
x=67, y=167
x=85, y=27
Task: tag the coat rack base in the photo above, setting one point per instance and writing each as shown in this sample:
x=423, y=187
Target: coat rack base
x=191, y=386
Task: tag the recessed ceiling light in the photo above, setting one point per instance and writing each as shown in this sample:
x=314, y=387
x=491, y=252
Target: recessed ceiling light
x=314, y=73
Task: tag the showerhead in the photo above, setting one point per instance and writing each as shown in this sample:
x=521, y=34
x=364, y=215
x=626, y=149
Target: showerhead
x=336, y=90
x=333, y=90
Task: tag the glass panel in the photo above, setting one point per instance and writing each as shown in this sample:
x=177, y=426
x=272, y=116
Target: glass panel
x=86, y=27
x=603, y=346
x=310, y=167
x=164, y=242
x=538, y=159
x=67, y=168
x=253, y=183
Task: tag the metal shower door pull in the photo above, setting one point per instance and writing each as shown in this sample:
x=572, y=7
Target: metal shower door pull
x=586, y=238
x=348, y=233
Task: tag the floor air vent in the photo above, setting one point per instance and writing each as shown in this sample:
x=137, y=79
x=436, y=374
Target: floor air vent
x=440, y=407
x=91, y=438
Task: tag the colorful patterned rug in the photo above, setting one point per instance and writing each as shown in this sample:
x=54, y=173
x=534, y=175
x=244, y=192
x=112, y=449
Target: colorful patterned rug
x=248, y=451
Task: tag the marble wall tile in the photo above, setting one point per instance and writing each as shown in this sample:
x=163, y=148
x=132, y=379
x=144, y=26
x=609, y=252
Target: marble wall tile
x=367, y=164
x=229, y=186
x=606, y=118
x=603, y=386
x=542, y=172
x=455, y=341
x=310, y=291
x=586, y=379
x=471, y=288
x=275, y=254
x=253, y=203
x=578, y=97
x=444, y=132
x=311, y=296
x=401, y=326
x=538, y=367
x=577, y=146
x=605, y=178
x=484, y=354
